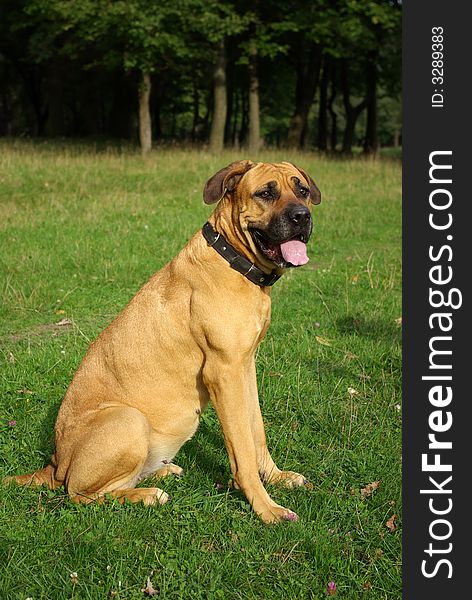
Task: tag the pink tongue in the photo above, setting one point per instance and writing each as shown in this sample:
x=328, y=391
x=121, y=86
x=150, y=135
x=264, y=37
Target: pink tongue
x=294, y=252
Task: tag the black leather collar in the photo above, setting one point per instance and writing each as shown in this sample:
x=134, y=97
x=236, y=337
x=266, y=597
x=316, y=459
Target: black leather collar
x=236, y=261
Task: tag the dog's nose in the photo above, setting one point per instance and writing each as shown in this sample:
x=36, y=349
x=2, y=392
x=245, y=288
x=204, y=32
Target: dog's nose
x=299, y=214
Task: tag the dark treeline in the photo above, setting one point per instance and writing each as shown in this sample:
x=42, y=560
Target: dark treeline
x=297, y=73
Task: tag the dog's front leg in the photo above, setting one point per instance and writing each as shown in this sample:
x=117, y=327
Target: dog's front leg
x=268, y=470
x=229, y=392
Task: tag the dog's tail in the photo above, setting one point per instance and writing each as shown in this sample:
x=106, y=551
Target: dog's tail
x=44, y=476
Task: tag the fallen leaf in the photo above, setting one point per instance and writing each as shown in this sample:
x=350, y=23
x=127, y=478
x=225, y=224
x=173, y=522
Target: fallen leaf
x=323, y=341
x=11, y=358
x=398, y=321
x=61, y=311
x=369, y=489
x=74, y=578
x=355, y=278
x=367, y=586
x=352, y=391
x=391, y=523
x=149, y=590
x=64, y=322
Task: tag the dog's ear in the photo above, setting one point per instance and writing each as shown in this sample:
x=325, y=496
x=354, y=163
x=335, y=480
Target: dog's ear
x=315, y=194
x=225, y=180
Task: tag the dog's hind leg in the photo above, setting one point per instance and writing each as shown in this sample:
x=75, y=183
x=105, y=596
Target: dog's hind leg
x=44, y=476
x=109, y=458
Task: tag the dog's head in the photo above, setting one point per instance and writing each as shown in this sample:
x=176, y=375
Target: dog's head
x=269, y=206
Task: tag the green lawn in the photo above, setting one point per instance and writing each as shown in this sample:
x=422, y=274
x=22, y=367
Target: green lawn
x=80, y=232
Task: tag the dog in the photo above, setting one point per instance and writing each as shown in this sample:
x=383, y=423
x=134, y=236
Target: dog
x=189, y=336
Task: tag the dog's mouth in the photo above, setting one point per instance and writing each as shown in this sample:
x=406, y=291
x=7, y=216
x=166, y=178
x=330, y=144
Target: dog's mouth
x=284, y=254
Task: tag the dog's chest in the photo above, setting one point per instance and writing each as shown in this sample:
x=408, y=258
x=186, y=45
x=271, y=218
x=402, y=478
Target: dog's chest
x=263, y=319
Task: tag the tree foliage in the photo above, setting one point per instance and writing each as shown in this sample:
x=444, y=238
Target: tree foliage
x=70, y=68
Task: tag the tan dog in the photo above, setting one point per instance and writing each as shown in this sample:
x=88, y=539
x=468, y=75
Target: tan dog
x=187, y=337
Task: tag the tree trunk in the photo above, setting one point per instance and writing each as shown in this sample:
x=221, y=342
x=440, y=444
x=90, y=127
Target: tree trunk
x=145, y=128
x=371, y=138
x=352, y=112
x=244, y=119
x=217, y=133
x=254, y=112
x=333, y=138
x=322, y=141
x=308, y=72
x=230, y=95
x=234, y=125
x=349, y=128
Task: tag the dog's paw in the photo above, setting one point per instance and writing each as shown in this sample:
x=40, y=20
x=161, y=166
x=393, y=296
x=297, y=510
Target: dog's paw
x=276, y=514
x=155, y=496
x=168, y=469
x=288, y=479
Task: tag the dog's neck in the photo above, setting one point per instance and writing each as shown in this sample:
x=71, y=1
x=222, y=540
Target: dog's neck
x=226, y=220
x=236, y=260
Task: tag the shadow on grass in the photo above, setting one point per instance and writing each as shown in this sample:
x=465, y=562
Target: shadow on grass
x=207, y=450
x=46, y=433
x=372, y=328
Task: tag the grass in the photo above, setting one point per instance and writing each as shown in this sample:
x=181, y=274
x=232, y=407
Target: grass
x=81, y=231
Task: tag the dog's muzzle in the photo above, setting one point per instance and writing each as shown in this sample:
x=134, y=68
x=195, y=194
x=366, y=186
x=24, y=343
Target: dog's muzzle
x=284, y=240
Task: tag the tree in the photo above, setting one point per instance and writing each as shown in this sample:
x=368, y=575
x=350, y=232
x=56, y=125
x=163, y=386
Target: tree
x=141, y=67
x=372, y=30
x=352, y=112
x=254, y=110
x=209, y=25
x=150, y=37
x=323, y=107
x=135, y=35
x=217, y=134
x=308, y=29
x=308, y=64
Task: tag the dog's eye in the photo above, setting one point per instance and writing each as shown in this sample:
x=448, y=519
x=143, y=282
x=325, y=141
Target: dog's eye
x=265, y=194
x=304, y=191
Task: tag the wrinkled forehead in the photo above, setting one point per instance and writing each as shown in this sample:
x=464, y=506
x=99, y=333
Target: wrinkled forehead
x=282, y=173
